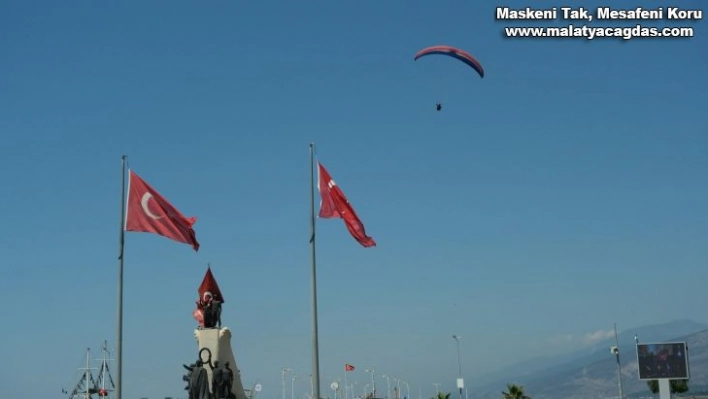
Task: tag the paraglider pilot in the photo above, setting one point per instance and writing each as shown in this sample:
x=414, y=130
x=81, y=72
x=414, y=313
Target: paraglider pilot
x=438, y=106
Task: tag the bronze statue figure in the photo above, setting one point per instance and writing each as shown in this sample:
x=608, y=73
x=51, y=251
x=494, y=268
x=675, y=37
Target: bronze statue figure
x=227, y=381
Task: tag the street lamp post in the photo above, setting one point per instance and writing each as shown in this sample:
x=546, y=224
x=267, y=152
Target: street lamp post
x=285, y=370
x=437, y=388
x=388, y=386
x=292, y=385
x=373, y=382
x=398, y=387
x=460, y=381
x=408, y=390
x=615, y=351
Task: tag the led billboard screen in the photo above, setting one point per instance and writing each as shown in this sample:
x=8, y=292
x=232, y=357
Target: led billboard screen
x=663, y=360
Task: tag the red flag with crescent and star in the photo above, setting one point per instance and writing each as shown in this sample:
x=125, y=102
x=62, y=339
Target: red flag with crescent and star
x=150, y=212
x=335, y=205
x=349, y=367
x=208, y=291
x=210, y=287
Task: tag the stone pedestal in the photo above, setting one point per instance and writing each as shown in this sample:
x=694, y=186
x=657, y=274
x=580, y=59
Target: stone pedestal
x=218, y=340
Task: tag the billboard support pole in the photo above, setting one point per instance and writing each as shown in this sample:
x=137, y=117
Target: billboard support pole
x=665, y=388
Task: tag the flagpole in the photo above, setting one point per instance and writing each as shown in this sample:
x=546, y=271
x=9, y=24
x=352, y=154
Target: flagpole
x=315, y=345
x=119, y=335
x=346, y=396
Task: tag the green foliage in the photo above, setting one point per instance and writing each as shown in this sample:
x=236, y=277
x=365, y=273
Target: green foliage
x=676, y=386
x=442, y=396
x=514, y=391
x=653, y=386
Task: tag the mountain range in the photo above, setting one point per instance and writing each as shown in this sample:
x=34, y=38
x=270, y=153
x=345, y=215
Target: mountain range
x=591, y=373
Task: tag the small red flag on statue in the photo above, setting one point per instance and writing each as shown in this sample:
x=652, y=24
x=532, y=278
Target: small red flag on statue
x=348, y=367
x=209, y=296
x=209, y=288
x=335, y=205
x=150, y=212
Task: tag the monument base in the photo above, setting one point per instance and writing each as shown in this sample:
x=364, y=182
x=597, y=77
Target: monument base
x=218, y=341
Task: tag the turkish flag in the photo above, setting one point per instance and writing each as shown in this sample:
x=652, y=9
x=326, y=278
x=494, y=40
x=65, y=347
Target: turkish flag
x=209, y=286
x=348, y=367
x=335, y=205
x=150, y=212
x=198, y=315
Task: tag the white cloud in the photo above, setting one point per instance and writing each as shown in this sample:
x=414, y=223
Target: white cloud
x=586, y=339
x=561, y=339
x=597, y=336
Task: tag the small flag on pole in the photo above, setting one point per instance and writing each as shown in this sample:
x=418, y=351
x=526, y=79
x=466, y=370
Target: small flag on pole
x=150, y=212
x=348, y=367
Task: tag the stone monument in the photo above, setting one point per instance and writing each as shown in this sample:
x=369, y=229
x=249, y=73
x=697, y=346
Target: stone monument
x=215, y=356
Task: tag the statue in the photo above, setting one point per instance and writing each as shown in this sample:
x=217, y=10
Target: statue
x=217, y=379
x=188, y=377
x=208, y=311
x=199, y=382
x=216, y=309
x=227, y=381
x=223, y=379
x=193, y=379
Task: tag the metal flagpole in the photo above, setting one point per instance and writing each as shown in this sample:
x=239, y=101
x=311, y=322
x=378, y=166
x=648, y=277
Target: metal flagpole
x=346, y=395
x=315, y=345
x=119, y=335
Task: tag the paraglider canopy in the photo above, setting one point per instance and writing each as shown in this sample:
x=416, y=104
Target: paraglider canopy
x=438, y=106
x=455, y=53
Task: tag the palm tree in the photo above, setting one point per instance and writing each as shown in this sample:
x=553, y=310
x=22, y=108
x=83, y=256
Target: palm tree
x=514, y=392
x=442, y=396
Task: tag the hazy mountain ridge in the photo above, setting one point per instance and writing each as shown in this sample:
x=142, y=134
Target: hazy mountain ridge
x=592, y=371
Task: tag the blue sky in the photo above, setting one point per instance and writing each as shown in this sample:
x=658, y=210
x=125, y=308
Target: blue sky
x=565, y=191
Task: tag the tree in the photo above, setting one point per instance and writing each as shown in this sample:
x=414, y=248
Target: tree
x=442, y=396
x=676, y=386
x=514, y=392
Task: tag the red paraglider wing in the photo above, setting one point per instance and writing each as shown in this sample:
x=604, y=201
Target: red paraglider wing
x=455, y=53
